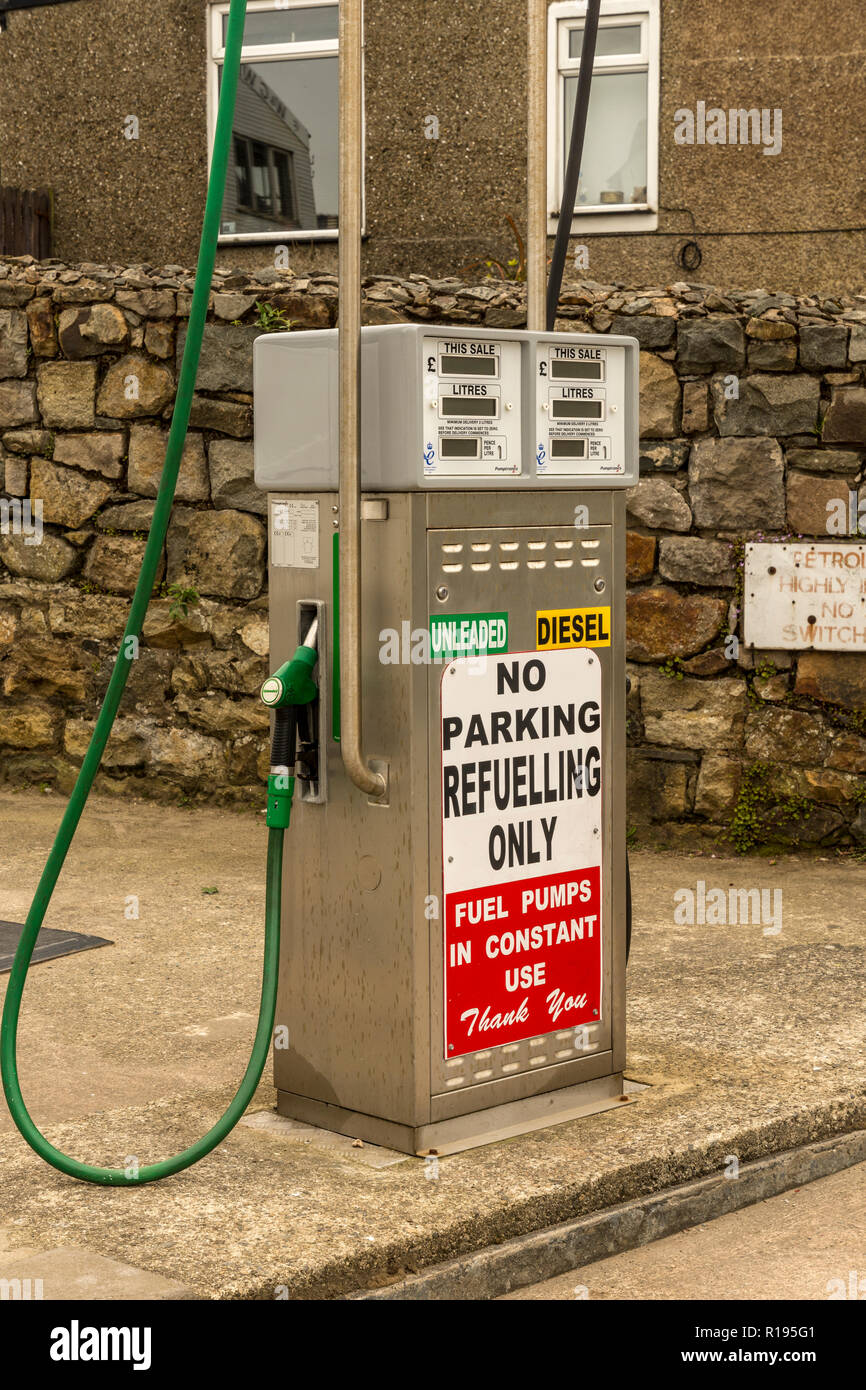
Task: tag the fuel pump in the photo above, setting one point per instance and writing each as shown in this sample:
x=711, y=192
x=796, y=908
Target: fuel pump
x=453, y=963
x=453, y=955
x=449, y=504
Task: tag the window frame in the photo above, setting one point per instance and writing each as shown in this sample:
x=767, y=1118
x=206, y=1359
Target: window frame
x=260, y=53
x=563, y=16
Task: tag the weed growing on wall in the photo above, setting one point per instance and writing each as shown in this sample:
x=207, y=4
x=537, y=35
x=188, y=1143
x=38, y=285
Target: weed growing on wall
x=760, y=812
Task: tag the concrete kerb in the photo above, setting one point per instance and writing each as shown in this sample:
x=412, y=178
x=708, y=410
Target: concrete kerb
x=529, y=1259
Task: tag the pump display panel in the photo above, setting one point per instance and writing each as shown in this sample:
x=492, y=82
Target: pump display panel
x=568, y=448
x=577, y=410
x=450, y=364
x=580, y=409
x=471, y=407
x=576, y=371
x=474, y=382
x=446, y=408
x=455, y=448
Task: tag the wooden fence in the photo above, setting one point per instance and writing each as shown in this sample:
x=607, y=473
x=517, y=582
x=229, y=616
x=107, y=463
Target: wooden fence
x=25, y=222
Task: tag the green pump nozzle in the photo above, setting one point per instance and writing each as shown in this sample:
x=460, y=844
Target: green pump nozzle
x=293, y=684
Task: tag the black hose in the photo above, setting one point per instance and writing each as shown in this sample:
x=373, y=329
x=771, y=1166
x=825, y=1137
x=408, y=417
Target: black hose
x=627, y=909
x=575, y=156
x=284, y=740
x=560, y=249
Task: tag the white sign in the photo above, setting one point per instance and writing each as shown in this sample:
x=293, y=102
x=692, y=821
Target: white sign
x=521, y=845
x=295, y=535
x=810, y=594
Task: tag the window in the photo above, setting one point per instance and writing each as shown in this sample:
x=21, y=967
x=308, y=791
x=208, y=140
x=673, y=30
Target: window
x=264, y=182
x=618, y=185
x=283, y=171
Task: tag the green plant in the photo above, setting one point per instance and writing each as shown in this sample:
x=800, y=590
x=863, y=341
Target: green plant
x=181, y=598
x=272, y=320
x=760, y=811
x=765, y=669
x=512, y=269
x=673, y=669
x=209, y=891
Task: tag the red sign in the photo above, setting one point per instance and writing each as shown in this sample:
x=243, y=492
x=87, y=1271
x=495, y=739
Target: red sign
x=521, y=846
x=522, y=959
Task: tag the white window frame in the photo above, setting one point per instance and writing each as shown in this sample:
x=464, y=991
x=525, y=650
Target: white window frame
x=259, y=53
x=563, y=16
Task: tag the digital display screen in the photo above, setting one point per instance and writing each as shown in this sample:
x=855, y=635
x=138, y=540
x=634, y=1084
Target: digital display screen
x=577, y=371
x=452, y=365
x=577, y=410
x=568, y=448
x=470, y=406
x=454, y=448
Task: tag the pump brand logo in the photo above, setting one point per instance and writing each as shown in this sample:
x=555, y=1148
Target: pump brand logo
x=77, y=1343
x=557, y=628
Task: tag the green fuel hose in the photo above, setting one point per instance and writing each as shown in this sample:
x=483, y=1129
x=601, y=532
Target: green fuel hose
x=119, y=1177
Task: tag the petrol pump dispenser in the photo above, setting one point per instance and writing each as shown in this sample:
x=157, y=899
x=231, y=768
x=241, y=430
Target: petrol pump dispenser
x=453, y=951
x=447, y=556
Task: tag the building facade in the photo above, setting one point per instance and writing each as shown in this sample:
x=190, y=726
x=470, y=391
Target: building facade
x=725, y=142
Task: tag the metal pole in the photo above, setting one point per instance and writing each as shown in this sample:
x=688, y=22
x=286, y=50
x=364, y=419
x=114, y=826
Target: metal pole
x=351, y=174
x=536, y=170
x=575, y=157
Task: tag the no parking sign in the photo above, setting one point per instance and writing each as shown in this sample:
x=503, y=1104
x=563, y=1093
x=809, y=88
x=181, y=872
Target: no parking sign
x=521, y=846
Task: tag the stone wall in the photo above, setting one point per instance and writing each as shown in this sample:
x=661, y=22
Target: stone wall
x=753, y=417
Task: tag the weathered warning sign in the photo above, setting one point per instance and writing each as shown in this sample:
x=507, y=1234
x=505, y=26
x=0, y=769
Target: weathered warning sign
x=521, y=846
x=807, y=594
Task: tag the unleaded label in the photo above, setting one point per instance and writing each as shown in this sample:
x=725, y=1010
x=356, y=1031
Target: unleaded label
x=468, y=634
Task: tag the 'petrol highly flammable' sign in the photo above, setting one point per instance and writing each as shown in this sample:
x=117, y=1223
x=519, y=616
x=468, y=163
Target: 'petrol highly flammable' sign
x=521, y=846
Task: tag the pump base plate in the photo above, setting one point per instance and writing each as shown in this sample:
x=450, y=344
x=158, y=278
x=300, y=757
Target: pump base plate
x=49, y=944
x=465, y=1131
